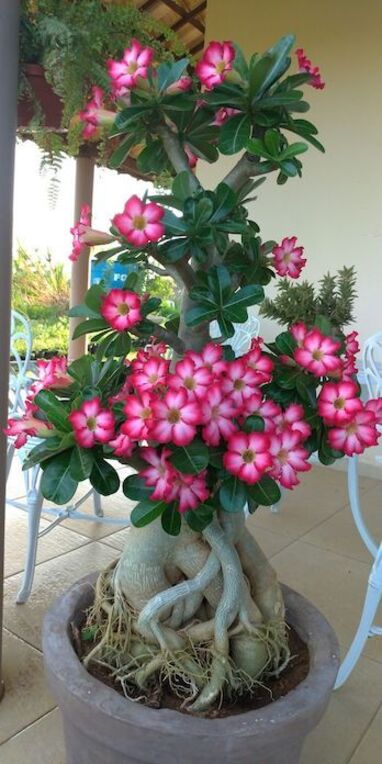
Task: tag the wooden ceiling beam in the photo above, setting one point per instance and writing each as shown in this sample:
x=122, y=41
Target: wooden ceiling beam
x=147, y=5
x=197, y=48
x=189, y=18
x=184, y=15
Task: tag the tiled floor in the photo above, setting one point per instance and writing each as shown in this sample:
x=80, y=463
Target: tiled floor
x=314, y=547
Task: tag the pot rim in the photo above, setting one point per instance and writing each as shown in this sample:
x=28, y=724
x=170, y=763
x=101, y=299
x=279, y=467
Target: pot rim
x=64, y=667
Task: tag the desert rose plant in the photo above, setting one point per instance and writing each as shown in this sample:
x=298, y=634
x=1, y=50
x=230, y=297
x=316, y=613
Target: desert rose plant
x=192, y=599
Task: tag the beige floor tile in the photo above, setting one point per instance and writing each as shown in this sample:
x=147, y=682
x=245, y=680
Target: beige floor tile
x=349, y=714
x=51, y=578
x=369, y=749
x=26, y=695
x=116, y=506
x=40, y=743
x=320, y=495
x=56, y=542
x=339, y=532
x=335, y=584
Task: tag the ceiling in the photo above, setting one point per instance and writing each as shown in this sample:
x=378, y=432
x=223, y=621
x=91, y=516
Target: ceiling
x=185, y=17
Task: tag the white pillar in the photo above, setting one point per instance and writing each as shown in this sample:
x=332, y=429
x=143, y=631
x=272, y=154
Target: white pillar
x=9, y=50
x=80, y=269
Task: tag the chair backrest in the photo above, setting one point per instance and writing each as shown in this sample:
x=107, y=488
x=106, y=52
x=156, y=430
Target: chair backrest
x=20, y=363
x=244, y=333
x=372, y=365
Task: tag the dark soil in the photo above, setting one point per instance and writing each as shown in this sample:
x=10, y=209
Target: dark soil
x=271, y=689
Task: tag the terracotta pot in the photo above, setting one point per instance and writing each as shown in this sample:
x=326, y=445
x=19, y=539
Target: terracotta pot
x=102, y=727
x=50, y=103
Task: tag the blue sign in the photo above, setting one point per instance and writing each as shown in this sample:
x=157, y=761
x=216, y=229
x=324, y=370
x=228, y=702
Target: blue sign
x=112, y=275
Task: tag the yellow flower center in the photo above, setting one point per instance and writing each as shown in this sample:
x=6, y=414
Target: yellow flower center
x=153, y=378
x=339, y=403
x=132, y=67
x=123, y=309
x=215, y=412
x=248, y=456
x=238, y=384
x=139, y=222
x=317, y=355
x=173, y=416
x=190, y=383
x=220, y=67
x=283, y=456
x=91, y=423
x=146, y=413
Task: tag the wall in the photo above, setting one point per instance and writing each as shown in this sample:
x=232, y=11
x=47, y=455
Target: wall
x=336, y=209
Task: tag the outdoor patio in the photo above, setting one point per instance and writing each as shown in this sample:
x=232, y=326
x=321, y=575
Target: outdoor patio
x=314, y=547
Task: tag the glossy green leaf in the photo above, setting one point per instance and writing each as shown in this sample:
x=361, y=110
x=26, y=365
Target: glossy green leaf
x=94, y=297
x=265, y=70
x=266, y=492
x=174, y=225
x=182, y=187
x=225, y=200
x=171, y=520
x=146, y=511
x=135, y=488
x=235, y=133
x=196, y=316
x=91, y=326
x=81, y=463
x=168, y=73
x=190, y=459
x=198, y=519
x=285, y=344
x=121, y=153
x=57, y=484
x=104, y=478
x=254, y=423
x=56, y=412
x=233, y=494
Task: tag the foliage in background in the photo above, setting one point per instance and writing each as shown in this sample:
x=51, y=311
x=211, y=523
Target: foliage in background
x=334, y=298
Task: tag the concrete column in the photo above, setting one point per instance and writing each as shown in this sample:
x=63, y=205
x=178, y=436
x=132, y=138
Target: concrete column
x=80, y=269
x=9, y=50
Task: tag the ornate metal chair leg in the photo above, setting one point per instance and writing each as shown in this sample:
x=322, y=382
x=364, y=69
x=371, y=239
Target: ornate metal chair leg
x=97, y=507
x=34, y=504
x=355, y=506
x=372, y=601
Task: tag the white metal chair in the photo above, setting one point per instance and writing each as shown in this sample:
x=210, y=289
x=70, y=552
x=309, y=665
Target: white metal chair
x=372, y=374
x=21, y=376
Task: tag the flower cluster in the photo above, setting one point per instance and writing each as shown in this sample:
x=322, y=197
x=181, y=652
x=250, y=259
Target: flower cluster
x=215, y=64
x=287, y=258
x=305, y=65
x=139, y=223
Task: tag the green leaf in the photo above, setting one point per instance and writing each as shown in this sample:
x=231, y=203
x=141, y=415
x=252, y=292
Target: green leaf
x=199, y=314
x=53, y=408
x=104, y=478
x=128, y=116
x=254, y=423
x=182, y=186
x=168, y=73
x=82, y=311
x=240, y=63
x=91, y=326
x=215, y=454
x=286, y=344
x=219, y=282
x=272, y=141
x=175, y=226
x=175, y=249
x=190, y=459
x=244, y=297
x=135, y=488
x=120, y=346
x=57, y=484
x=198, y=519
x=171, y=520
x=233, y=494
x=269, y=67
x=146, y=511
x=81, y=463
x=225, y=200
x=121, y=153
x=48, y=448
x=235, y=133
x=293, y=150
x=265, y=492
x=203, y=147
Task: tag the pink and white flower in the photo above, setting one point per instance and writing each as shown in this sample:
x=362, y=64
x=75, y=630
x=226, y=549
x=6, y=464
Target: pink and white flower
x=122, y=445
x=299, y=332
x=268, y=410
x=189, y=490
x=151, y=374
x=352, y=344
x=289, y=458
x=175, y=418
x=375, y=405
x=27, y=426
x=215, y=64
x=191, y=156
x=354, y=436
x=305, y=65
x=318, y=354
x=134, y=63
x=92, y=424
x=139, y=416
x=287, y=258
x=293, y=419
x=181, y=85
x=121, y=309
x=52, y=374
x=94, y=115
x=211, y=357
x=187, y=377
x=248, y=456
x=239, y=381
x=160, y=474
x=217, y=414
x=222, y=114
x=139, y=223
x=260, y=363
x=85, y=236
x=338, y=402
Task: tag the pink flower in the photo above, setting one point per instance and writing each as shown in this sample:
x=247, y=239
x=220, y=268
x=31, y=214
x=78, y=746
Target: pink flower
x=337, y=403
x=187, y=377
x=305, y=65
x=122, y=445
x=288, y=458
x=52, y=374
x=139, y=223
x=352, y=344
x=268, y=410
x=189, y=490
x=139, y=416
x=181, y=85
x=78, y=231
x=92, y=424
x=175, y=418
x=160, y=474
x=354, y=436
x=27, y=426
x=288, y=259
x=217, y=415
x=133, y=64
x=293, y=419
x=375, y=405
x=94, y=115
x=224, y=113
x=121, y=309
x=318, y=354
x=248, y=456
x=299, y=332
x=215, y=64
x=239, y=381
x=261, y=365
x=211, y=357
x=192, y=158
x=151, y=374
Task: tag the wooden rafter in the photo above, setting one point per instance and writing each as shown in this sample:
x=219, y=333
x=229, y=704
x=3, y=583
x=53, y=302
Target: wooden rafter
x=185, y=16
x=189, y=18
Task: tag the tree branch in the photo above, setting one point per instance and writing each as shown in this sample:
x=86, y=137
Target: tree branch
x=176, y=154
x=247, y=167
x=180, y=271
x=170, y=338
x=159, y=271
